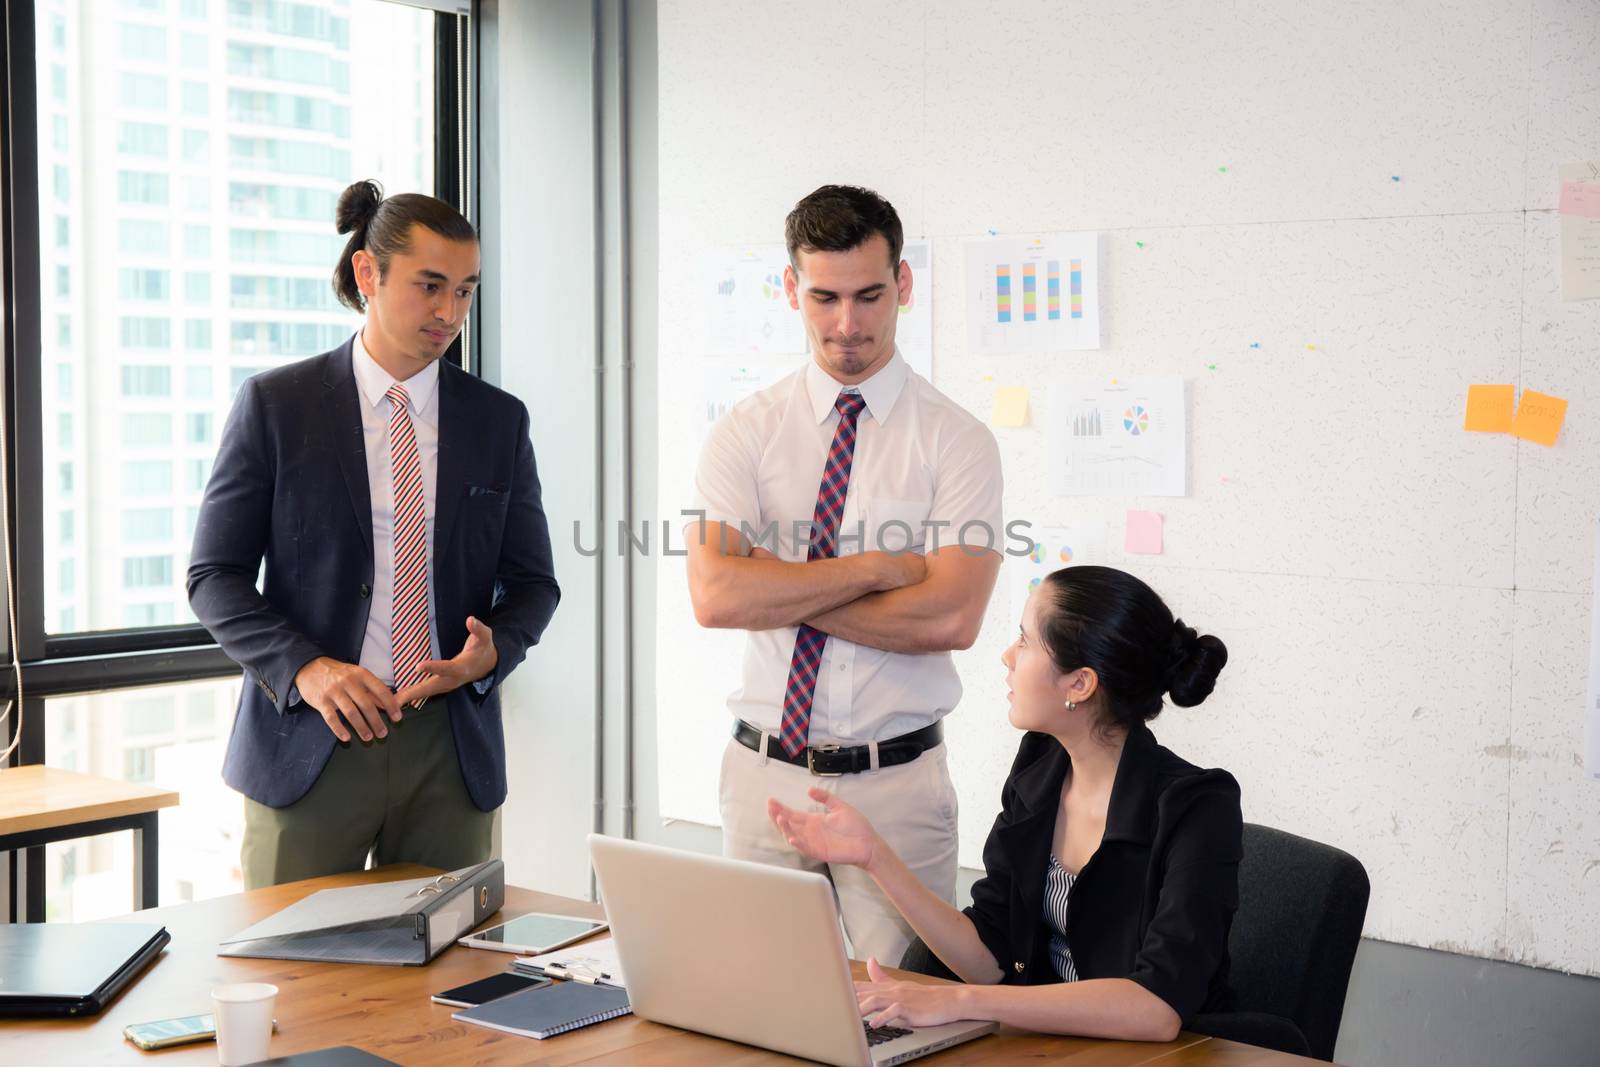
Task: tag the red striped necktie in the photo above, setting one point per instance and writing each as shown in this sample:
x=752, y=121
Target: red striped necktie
x=795, y=732
x=410, y=632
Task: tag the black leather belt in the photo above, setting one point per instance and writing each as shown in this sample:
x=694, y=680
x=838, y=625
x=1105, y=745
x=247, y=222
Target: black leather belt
x=833, y=760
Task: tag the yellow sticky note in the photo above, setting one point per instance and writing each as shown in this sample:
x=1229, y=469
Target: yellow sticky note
x=1010, y=406
x=1539, y=418
x=1490, y=408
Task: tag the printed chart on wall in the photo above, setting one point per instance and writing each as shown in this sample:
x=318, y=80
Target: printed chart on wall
x=1591, y=725
x=1037, y=293
x=1122, y=437
x=746, y=312
x=914, y=332
x=1580, y=230
x=724, y=382
x=1054, y=547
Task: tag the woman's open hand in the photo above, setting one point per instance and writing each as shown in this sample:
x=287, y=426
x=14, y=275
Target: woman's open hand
x=841, y=834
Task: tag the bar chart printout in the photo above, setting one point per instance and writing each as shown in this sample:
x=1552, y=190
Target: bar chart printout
x=744, y=309
x=1118, y=438
x=914, y=335
x=1032, y=294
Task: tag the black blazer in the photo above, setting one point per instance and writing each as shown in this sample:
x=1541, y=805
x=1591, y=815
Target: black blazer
x=289, y=486
x=1155, y=901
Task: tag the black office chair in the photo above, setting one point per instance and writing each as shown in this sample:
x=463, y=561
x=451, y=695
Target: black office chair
x=1301, y=908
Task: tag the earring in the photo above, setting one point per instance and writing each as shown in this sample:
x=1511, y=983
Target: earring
x=1071, y=706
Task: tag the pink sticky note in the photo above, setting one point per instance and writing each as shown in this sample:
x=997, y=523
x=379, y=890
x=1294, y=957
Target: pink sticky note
x=1581, y=198
x=1144, y=533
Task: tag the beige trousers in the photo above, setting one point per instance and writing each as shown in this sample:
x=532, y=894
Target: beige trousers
x=913, y=806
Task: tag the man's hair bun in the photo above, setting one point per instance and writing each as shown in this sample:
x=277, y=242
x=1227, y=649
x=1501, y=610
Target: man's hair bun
x=357, y=204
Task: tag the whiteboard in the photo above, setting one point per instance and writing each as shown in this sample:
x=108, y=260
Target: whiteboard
x=1406, y=605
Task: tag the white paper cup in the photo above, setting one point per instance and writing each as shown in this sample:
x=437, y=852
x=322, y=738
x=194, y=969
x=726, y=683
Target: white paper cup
x=244, y=1021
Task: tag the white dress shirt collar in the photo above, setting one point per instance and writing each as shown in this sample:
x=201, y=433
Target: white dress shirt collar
x=879, y=391
x=374, y=381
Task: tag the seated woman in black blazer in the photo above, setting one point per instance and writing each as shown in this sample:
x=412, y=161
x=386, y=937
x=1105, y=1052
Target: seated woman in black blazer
x=1111, y=875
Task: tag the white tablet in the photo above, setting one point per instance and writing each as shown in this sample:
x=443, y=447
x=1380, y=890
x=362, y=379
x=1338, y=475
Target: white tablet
x=531, y=934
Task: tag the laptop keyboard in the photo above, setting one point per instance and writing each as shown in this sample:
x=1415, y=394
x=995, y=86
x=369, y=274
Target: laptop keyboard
x=882, y=1034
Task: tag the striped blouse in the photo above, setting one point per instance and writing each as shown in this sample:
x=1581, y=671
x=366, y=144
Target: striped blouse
x=1057, y=887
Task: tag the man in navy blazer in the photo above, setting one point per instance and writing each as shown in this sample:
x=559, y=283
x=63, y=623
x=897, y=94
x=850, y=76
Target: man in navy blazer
x=307, y=478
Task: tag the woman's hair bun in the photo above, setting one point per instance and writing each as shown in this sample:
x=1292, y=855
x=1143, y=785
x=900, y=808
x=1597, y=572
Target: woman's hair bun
x=357, y=204
x=1197, y=659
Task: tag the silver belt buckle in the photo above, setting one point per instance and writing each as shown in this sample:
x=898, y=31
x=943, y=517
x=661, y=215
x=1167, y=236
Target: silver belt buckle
x=811, y=760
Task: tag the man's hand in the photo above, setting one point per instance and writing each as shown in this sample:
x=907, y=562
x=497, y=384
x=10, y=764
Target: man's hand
x=336, y=689
x=901, y=568
x=475, y=660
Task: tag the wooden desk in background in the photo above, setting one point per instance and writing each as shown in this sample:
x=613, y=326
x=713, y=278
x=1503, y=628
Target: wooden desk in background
x=386, y=1010
x=39, y=805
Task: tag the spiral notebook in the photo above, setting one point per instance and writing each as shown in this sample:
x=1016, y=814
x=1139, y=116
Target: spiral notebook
x=545, y=1011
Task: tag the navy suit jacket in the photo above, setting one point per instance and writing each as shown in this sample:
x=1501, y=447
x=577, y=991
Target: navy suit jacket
x=289, y=485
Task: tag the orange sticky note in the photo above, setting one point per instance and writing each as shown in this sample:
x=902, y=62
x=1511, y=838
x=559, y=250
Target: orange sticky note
x=1143, y=536
x=1539, y=418
x=1490, y=407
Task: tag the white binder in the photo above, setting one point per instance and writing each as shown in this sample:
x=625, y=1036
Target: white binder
x=406, y=922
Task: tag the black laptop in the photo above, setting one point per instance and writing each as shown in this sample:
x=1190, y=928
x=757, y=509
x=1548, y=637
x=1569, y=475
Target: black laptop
x=68, y=969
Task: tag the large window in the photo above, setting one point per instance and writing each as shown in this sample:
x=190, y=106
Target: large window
x=172, y=177
x=246, y=270
x=170, y=736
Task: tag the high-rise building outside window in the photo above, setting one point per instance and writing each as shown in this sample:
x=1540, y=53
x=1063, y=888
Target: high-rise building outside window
x=198, y=148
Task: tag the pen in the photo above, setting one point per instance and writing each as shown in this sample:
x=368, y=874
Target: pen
x=557, y=970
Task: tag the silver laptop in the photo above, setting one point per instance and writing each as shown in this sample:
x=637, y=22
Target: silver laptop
x=746, y=952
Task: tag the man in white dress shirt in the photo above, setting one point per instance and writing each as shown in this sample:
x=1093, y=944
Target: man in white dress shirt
x=852, y=524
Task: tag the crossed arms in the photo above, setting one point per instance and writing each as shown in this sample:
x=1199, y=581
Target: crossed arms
x=897, y=602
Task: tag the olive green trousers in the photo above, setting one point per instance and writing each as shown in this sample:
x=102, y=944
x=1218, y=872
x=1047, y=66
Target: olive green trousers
x=398, y=799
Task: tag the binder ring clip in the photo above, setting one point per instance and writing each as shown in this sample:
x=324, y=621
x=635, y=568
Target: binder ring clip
x=438, y=884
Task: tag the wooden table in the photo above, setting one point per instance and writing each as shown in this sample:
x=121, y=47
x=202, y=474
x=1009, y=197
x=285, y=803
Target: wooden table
x=40, y=804
x=386, y=1010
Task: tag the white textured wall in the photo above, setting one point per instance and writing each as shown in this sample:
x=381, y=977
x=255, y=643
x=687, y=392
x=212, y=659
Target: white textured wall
x=1405, y=604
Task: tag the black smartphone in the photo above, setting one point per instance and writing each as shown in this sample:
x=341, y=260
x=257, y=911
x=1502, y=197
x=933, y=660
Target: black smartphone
x=486, y=989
